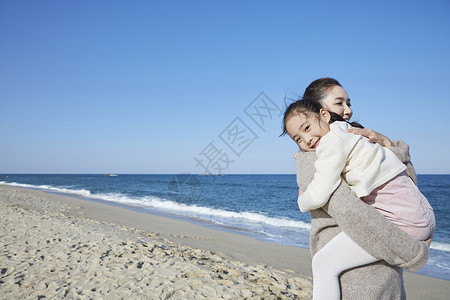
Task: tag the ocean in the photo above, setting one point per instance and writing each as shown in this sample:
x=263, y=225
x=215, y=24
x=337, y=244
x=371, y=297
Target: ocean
x=260, y=206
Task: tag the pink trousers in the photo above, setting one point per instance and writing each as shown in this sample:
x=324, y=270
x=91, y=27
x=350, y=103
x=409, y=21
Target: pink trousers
x=401, y=202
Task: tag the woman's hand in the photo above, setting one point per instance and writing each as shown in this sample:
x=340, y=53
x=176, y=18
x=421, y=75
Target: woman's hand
x=373, y=136
x=429, y=241
x=300, y=192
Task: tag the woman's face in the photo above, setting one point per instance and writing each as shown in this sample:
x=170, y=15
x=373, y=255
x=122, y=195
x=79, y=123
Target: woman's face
x=337, y=101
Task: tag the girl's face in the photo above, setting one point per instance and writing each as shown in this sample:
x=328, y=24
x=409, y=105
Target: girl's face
x=338, y=102
x=307, y=129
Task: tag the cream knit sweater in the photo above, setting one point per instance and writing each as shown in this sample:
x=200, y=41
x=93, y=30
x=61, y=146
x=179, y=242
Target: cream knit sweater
x=362, y=164
x=379, y=237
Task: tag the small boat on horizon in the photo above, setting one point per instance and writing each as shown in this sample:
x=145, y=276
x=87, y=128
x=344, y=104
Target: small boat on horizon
x=110, y=174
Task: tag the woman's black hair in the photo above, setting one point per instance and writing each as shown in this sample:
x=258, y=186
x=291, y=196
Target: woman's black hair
x=310, y=106
x=317, y=90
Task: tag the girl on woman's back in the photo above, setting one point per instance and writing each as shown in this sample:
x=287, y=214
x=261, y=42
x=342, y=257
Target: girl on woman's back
x=373, y=172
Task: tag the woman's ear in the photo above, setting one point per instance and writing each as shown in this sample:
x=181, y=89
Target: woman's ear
x=325, y=114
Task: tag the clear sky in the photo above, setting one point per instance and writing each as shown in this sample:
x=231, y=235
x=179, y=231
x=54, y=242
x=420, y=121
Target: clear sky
x=156, y=86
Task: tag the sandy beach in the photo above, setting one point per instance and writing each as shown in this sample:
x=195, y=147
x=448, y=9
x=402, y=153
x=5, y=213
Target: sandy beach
x=55, y=247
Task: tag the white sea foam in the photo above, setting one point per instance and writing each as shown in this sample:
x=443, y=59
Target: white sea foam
x=201, y=212
x=440, y=246
x=82, y=192
x=248, y=217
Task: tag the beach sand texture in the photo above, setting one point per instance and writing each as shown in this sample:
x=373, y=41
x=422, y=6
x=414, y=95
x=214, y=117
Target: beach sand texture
x=58, y=247
x=49, y=249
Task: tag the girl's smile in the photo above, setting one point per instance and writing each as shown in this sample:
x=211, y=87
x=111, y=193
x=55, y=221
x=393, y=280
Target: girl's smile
x=314, y=146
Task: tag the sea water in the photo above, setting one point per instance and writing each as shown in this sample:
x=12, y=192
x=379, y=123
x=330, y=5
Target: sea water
x=261, y=206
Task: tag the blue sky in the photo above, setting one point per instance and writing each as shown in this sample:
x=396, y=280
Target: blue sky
x=151, y=86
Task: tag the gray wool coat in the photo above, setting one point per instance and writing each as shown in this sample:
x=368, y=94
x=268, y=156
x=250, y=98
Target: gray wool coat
x=368, y=228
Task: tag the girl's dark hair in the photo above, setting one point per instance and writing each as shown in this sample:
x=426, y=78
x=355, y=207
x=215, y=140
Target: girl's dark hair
x=310, y=106
x=317, y=90
x=335, y=117
x=300, y=106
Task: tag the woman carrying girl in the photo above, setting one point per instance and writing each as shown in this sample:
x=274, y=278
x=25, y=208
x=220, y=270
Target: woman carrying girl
x=371, y=170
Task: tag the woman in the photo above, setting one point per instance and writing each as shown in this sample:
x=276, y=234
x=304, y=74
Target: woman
x=332, y=96
x=345, y=212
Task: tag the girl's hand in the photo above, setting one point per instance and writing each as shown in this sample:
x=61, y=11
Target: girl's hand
x=300, y=192
x=373, y=136
x=295, y=155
